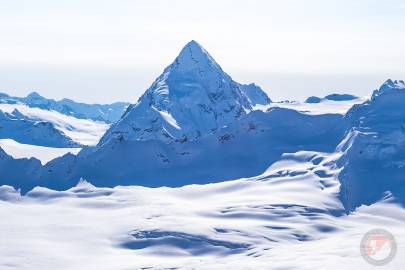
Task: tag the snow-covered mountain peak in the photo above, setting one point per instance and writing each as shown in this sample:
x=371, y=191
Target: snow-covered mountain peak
x=389, y=86
x=35, y=99
x=192, y=97
x=193, y=76
x=34, y=95
x=374, y=160
x=194, y=57
x=395, y=84
x=384, y=111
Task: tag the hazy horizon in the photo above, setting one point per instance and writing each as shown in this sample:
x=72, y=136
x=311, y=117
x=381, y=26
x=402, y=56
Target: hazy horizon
x=106, y=51
x=81, y=86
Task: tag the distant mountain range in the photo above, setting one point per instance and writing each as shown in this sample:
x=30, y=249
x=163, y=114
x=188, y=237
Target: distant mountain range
x=108, y=113
x=43, y=127
x=40, y=121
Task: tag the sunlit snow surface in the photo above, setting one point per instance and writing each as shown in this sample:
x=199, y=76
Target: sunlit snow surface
x=44, y=154
x=86, y=132
x=287, y=218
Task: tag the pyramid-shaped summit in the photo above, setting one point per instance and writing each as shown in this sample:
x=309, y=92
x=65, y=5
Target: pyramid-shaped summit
x=193, y=97
x=194, y=57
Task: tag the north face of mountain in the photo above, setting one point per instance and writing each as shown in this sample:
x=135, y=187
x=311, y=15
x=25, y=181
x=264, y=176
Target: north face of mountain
x=193, y=97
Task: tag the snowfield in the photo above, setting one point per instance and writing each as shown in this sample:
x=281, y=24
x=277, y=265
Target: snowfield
x=287, y=218
x=44, y=154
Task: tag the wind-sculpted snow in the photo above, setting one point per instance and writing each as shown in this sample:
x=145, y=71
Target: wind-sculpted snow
x=192, y=244
x=286, y=218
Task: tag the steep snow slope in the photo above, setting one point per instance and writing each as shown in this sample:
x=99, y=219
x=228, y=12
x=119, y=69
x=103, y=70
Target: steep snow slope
x=109, y=113
x=374, y=160
x=19, y=172
x=20, y=122
x=287, y=218
x=255, y=95
x=44, y=154
x=192, y=98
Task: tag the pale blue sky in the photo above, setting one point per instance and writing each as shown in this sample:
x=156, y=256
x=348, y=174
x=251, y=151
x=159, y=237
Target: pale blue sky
x=103, y=51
